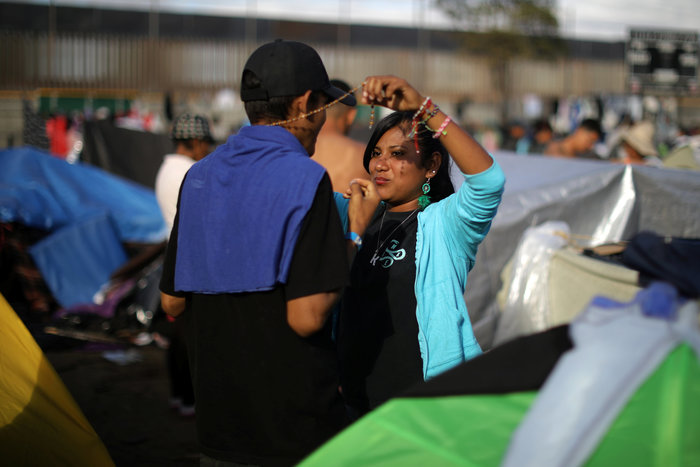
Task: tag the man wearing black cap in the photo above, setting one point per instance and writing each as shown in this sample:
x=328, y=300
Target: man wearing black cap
x=256, y=260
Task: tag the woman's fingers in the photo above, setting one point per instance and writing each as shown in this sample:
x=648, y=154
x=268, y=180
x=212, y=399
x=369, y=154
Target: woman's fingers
x=373, y=91
x=369, y=189
x=391, y=92
x=360, y=186
x=363, y=202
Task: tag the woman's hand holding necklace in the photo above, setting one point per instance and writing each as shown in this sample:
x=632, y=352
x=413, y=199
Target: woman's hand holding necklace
x=391, y=92
x=364, y=200
x=397, y=94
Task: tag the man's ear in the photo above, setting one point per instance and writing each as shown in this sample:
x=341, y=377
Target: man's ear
x=299, y=105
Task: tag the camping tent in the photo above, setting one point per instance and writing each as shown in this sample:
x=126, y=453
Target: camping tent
x=39, y=190
x=475, y=430
x=40, y=423
x=621, y=384
x=600, y=201
x=88, y=213
x=550, y=399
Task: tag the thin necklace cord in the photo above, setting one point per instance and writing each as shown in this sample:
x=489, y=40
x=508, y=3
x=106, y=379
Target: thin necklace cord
x=381, y=224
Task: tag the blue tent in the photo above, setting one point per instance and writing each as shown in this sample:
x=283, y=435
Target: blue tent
x=39, y=190
x=88, y=212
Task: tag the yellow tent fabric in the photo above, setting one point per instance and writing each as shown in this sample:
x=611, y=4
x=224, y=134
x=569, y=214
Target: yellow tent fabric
x=40, y=422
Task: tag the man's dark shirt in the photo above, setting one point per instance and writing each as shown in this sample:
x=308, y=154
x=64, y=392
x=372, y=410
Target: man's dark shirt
x=264, y=394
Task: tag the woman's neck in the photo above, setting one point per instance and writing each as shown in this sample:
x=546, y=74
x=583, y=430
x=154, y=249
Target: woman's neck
x=403, y=207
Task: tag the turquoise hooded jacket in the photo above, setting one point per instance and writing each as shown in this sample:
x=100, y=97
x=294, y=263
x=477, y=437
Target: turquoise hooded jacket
x=449, y=233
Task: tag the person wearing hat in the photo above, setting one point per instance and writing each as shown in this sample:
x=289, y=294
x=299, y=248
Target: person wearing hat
x=255, y=262
x=638, y=145
x=192, y=139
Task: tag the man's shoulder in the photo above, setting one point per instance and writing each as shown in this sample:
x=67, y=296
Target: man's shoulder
x=333, y=148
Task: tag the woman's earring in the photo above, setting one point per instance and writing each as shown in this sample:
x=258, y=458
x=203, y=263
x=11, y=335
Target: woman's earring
x=371, y=116
x=424, y=199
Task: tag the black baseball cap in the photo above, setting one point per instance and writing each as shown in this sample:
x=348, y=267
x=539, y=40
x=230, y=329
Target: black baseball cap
x=288, y=68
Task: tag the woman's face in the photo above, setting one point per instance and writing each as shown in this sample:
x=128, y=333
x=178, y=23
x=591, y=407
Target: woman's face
x=396, y=171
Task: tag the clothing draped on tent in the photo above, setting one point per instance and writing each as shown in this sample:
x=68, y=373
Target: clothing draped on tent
x=547, y=282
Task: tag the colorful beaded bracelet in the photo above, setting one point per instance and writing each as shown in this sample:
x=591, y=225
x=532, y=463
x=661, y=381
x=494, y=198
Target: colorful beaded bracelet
x=441, y=131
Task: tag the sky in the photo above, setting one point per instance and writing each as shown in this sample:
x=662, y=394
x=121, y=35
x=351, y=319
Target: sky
x=590, y=19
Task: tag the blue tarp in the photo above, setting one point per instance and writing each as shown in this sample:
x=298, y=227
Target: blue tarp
x=88, y=212
x=42, y=191
x=77, y=260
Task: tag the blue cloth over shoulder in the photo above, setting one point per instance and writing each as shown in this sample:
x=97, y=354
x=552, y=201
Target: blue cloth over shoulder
x=241, y=211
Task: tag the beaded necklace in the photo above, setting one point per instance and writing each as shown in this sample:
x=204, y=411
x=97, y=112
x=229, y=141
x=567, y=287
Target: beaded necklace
x=325, y=107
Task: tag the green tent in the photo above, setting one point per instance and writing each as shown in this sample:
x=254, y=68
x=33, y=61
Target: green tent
x=659, y=426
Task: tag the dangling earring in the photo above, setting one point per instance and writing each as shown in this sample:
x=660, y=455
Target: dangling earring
x=371, y=116
x=424, y=199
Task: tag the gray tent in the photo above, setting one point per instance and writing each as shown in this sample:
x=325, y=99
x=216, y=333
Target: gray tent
x=600, y=201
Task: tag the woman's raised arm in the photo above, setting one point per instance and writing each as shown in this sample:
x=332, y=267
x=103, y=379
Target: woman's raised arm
x=397, y=94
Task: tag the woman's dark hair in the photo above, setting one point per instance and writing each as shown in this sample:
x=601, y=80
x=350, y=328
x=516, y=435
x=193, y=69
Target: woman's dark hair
x=275, y=108
x=440, y=185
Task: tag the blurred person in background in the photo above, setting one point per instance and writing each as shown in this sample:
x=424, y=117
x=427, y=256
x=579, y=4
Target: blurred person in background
x=612, y=139
x=515, y=137
x=637, y=145
x=192, y=138
x=340, y=155
x=193, y=141
x=580, y=143
x=542, y=135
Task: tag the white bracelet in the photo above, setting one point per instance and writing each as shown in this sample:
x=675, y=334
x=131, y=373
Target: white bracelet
x=422, y=107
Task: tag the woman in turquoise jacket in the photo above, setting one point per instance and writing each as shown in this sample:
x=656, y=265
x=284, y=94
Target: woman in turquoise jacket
x=403, y=318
